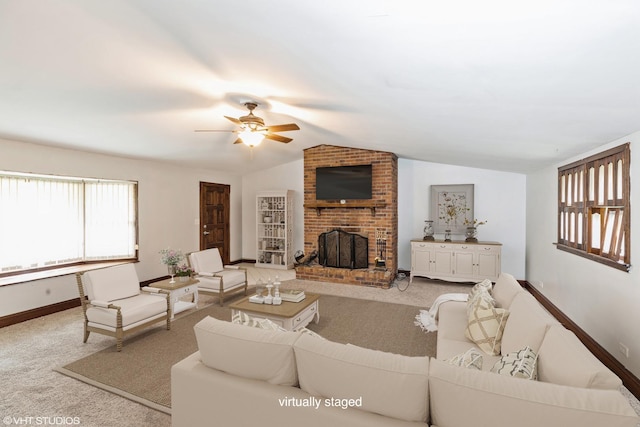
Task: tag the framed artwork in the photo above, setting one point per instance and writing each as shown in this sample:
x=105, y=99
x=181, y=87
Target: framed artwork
x=451, y=205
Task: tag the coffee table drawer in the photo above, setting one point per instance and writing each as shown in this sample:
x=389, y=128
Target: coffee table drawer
x=303, y=319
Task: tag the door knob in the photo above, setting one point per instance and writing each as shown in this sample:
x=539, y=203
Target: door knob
x=206, y=233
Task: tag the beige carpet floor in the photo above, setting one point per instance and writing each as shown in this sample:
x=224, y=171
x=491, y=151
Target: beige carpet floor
x=143, y=371
x=30, y=351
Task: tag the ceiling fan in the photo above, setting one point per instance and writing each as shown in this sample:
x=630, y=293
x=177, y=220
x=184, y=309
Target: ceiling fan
x=253, y=130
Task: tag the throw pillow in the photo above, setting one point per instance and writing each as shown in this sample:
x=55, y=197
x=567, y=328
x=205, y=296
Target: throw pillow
x=485, y=328
x=485, y=285
x=519, y=364
x=253, y=322
x=471, y=359
x=481, y=299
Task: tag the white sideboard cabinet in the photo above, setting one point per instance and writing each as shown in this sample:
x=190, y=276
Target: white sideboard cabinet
x=455, y=261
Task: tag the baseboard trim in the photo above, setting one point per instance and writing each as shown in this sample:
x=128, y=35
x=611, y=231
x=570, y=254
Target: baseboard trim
x=630, y=381
x=34, y=313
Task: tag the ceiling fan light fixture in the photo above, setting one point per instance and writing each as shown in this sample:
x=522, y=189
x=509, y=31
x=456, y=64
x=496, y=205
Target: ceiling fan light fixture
x=251, y=138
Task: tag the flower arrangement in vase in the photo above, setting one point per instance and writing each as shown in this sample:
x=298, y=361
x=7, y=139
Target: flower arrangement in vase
x=171, y=258
x=472, y=229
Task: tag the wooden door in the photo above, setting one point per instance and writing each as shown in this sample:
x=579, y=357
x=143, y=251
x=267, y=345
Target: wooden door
x=214, y=218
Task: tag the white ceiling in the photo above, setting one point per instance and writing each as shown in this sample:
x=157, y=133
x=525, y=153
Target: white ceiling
x=506, y=85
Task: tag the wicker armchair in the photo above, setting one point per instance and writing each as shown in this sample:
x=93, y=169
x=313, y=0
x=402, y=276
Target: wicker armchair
x=114, y=304
x=214, y=277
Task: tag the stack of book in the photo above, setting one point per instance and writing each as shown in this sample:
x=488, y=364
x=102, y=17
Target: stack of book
x=292, y=295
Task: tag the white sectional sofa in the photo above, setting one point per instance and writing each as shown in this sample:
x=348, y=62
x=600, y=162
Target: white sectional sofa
x=250, y=376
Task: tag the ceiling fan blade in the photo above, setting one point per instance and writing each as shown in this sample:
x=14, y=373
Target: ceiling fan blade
x=234, y=120
x=278, y=138
x=282, y=128
x=238, y=141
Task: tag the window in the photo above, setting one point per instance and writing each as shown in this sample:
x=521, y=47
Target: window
x=594, y=207
x=48, y=221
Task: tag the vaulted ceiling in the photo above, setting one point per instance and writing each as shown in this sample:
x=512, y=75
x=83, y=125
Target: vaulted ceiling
x=501, y=85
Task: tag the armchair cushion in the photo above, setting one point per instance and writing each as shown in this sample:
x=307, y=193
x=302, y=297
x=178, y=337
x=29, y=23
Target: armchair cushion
x=231, y=279
x=113, y=283
x=133, y=310
x=208, y=260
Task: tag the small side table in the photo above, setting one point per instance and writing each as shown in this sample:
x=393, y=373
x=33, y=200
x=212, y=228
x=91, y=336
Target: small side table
x=176, y=291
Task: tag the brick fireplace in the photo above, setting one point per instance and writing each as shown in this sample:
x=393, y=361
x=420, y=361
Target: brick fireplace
x=375, y=219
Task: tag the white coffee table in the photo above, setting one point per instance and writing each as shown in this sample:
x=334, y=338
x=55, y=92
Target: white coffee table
x=178, y=290
x=289, y=315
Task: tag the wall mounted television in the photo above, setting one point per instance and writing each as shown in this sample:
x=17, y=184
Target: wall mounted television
x=344, y=183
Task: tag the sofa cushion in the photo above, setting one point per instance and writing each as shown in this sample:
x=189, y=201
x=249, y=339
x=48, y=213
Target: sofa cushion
x=527, y=324
x=467, y=397
x=563, y=359
x=519, y=364
x=485, y=328
x=453, y=320
x=388, y=384
x=111, y=283
x=469, y=359
x=505, y=289
x=247, y=352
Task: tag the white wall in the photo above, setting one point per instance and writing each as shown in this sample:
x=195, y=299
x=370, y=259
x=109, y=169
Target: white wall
x=601, y=300
x=499, y=198
x=289, y=176
x=168, y=210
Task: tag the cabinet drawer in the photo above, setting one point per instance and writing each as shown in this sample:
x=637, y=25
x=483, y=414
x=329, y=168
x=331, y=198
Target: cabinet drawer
x=488, y=249
x=421, y=245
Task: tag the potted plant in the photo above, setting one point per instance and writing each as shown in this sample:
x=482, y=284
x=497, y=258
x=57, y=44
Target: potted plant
x=183, y=272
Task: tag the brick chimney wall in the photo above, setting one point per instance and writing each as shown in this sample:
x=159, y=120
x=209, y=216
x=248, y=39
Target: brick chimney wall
x=383, y=221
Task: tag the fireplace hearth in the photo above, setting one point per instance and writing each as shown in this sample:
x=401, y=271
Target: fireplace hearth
x=340, y=249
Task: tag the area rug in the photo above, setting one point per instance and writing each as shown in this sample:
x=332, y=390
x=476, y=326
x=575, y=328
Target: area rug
x=142, y=370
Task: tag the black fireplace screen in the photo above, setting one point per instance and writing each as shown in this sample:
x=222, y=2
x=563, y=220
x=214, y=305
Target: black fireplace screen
x=341, y=249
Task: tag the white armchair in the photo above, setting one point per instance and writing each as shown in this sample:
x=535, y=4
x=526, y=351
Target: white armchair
x=114, y=304
x=214, y=277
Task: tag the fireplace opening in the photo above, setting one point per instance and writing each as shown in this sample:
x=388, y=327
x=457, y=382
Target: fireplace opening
x=340, y=249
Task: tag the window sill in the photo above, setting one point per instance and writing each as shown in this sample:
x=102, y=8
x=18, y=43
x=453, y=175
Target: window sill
x=56, y=272
x=602, y=260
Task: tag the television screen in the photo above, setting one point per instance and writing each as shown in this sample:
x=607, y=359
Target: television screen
x=343, y=182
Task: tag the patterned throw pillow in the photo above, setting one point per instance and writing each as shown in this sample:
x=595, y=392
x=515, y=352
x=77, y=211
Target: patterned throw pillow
x=244, y=319
x=471, y=359
x=485, y=285
x=481, y=299
x=519, y=364
x=485, y=328
x=254, y=322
